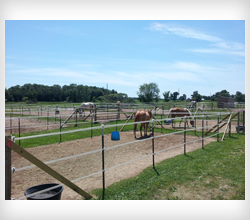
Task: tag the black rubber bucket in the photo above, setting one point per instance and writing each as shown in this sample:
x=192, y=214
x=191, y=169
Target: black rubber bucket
x=54, y=194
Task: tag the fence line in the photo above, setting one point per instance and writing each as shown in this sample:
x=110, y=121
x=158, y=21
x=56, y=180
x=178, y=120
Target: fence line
x=50, y=123
x=87, y=129
x=107, y=169
x=111, y=147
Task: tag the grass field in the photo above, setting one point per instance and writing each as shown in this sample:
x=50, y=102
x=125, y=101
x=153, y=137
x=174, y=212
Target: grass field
x=214, y=173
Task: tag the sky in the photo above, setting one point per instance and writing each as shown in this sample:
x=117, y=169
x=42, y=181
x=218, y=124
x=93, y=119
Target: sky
x=178, y=55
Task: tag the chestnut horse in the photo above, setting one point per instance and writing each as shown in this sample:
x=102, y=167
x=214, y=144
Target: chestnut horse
x=142, y=116
x=178, y=112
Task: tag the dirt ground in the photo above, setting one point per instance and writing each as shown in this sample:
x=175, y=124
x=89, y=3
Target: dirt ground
x=84, y=165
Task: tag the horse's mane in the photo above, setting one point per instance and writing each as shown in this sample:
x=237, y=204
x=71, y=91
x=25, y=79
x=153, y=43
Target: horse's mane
x=189, y=113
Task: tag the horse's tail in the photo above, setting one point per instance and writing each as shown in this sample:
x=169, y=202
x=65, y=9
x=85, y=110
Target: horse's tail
x=169, y=112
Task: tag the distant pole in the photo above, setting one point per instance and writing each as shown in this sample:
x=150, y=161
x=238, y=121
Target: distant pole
x=19, y=131
x=107, y=93
x=185, y=135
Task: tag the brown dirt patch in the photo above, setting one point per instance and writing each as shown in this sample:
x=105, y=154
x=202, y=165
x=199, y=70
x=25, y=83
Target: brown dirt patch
x=91, y=163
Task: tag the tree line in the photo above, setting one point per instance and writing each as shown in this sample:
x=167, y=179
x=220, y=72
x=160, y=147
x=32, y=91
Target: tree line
x=150, y=92
x=32, y=93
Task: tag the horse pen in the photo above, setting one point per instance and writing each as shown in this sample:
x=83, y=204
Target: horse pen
x=97, y=161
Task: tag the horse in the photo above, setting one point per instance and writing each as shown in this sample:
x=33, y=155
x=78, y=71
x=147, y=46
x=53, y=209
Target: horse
x=142, y=116
x=178, y=112
x=192, y=104
x=86, y=105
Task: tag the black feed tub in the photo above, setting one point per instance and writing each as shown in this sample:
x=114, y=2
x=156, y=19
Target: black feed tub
x=54, y=194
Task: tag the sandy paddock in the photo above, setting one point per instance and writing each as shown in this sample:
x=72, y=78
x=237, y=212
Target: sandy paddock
x=28, y=125
x=91, y=163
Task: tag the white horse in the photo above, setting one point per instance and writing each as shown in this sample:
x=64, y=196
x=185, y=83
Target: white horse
x=87, y=105
x=192, y=104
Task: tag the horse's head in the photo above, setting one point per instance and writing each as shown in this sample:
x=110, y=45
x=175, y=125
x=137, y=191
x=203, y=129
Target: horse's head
x=192, y=122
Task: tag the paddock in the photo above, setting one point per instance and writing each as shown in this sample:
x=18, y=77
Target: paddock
x=81, y=161
x=85, y=165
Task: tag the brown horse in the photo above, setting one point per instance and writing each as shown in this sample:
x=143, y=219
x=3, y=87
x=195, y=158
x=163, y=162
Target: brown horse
x=142, y=116
x=178, y=112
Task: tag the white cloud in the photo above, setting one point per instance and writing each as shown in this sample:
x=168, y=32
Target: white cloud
x=184, y=32
x=217, y=46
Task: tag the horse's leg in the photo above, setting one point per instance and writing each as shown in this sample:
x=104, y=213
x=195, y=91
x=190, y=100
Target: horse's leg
x=180, y=122
x=135, y=125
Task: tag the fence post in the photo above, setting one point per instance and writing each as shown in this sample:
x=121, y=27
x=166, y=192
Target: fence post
x=60, y=129
x=91, y=125
x=11, y=122
x=185, y=135
x=76, y=120
x=243, y=120
x=37, y=113
x=103, y=170
x=107, y=110
x=195, y=124
x=95, y=114
x=7, y=172
x=19, y=130
x=218, y=119
x=153, y=143
x=238, y=123
x=48, y=119
x=230, y=125
x=202, y=132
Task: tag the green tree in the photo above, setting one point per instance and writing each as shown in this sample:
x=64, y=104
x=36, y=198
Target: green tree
x=148, y=92
x=196, y=96
x=166, y=96
x=183, y=97
x=239, y=97
x=174, y=95
x=222, y=93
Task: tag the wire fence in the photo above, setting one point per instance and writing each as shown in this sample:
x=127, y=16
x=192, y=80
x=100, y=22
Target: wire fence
x=152, y=122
